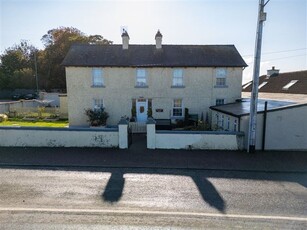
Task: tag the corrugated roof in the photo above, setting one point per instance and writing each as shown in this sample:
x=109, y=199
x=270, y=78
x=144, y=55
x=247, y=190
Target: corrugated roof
x=276, y=83
x=149, y=56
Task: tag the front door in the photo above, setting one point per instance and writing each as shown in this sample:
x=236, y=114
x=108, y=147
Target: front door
x=141, y=110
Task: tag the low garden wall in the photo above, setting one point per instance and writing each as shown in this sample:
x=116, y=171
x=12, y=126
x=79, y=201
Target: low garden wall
x=59, y=137
x=213, y=140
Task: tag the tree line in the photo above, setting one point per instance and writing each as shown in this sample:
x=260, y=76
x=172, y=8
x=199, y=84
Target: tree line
x=17, y=63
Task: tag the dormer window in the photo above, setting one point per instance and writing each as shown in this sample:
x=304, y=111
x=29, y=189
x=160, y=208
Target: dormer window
x=291, y=83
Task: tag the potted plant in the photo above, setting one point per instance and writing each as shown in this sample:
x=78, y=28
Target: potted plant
x=97, y=117
x=133, y=113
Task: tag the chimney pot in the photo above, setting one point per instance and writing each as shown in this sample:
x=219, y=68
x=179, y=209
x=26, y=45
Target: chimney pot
x=158, y=38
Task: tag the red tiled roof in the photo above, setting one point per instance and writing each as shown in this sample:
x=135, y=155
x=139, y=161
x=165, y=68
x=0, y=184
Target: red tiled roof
x=276, y=83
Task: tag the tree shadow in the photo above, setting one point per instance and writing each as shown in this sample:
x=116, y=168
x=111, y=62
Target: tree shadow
x=114, y=188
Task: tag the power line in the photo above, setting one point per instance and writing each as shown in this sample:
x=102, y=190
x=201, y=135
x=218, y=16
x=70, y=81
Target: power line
x=282, y=51
x=282, y=58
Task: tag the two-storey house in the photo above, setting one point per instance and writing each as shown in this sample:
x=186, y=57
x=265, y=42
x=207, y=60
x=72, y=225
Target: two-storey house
x=162, y=79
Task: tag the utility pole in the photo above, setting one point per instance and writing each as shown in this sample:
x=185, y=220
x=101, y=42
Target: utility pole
x=36, y=77
x=254, y=96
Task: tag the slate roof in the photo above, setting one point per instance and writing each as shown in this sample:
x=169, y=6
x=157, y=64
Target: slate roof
x=242, y=107
x=149, y=56
x=276, y=83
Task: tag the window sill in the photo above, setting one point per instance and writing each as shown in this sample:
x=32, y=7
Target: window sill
x=178, y=86
x=177, y=117
x=221, y=86
x=98, y=86
x=141, y=86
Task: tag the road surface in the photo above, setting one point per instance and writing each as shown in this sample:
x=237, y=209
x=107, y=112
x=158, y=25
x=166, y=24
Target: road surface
x=151, y=199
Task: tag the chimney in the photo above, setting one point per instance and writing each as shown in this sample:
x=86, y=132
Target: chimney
x=125, y=38
x=158, y=38
x=272, y=72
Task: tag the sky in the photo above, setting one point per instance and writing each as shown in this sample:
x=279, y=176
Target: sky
x=201, y=22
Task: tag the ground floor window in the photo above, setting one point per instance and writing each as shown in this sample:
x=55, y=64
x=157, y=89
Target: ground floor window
x=98, y=103
x=177, y=108
x=219, y=101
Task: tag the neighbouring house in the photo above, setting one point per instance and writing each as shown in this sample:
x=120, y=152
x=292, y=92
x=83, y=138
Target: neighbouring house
x=280, y=86
x=282, y=126
x=143, y=80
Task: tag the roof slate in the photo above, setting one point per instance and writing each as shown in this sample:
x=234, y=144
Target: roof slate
x=149, y=56
x=277, y=82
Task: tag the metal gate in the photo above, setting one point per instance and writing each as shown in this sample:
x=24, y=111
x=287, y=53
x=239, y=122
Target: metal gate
x=137, y=127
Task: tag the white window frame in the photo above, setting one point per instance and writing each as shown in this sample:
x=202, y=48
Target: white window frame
x=235, y=125
x=220, y=76
x=228, y=123
x=97, y=77
x=220, y=101
x=177, y=107
x=98, y=103
x=177, y=77
x=141, y=75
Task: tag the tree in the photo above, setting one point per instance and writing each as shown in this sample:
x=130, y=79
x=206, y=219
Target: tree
x=57, y=43
x=17, y=62
x=17, y=65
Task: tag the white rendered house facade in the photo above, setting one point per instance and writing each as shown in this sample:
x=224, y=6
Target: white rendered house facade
x=162, y=79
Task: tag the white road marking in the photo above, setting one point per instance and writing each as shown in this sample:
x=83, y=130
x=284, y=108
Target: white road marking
x=140, y=212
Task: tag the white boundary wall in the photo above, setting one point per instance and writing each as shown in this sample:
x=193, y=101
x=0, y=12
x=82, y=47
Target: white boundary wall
x=213, y=140
x=57, y=137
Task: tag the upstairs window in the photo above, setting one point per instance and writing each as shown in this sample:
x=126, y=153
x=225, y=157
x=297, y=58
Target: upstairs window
x=141, y=80
x=221, y=74
x=177, y=77
x=177, y=108
x=98, y=103
x=97, y=77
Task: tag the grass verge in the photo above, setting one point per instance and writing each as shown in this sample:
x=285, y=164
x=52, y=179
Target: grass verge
x=39, y=123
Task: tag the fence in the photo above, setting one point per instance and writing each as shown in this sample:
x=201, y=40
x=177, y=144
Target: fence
x=31, y=108
x=6, y=107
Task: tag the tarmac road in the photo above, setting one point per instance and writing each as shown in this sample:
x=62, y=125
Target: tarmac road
x=127, y=198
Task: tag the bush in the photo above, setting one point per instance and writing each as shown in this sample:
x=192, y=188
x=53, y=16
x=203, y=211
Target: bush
x=3, y=117
x=97, y=117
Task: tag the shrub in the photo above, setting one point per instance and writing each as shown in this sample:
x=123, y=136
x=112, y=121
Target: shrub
x=3, y=117
x=97, y=117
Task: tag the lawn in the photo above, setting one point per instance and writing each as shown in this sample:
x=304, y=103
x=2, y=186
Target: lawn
x=39, y=123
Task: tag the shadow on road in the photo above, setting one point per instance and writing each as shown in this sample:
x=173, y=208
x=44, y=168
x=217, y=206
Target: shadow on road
x=115, y=186
x=113, y=191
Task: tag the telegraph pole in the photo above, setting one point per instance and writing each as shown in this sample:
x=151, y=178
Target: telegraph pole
x=36, y=77
x=254, y=96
